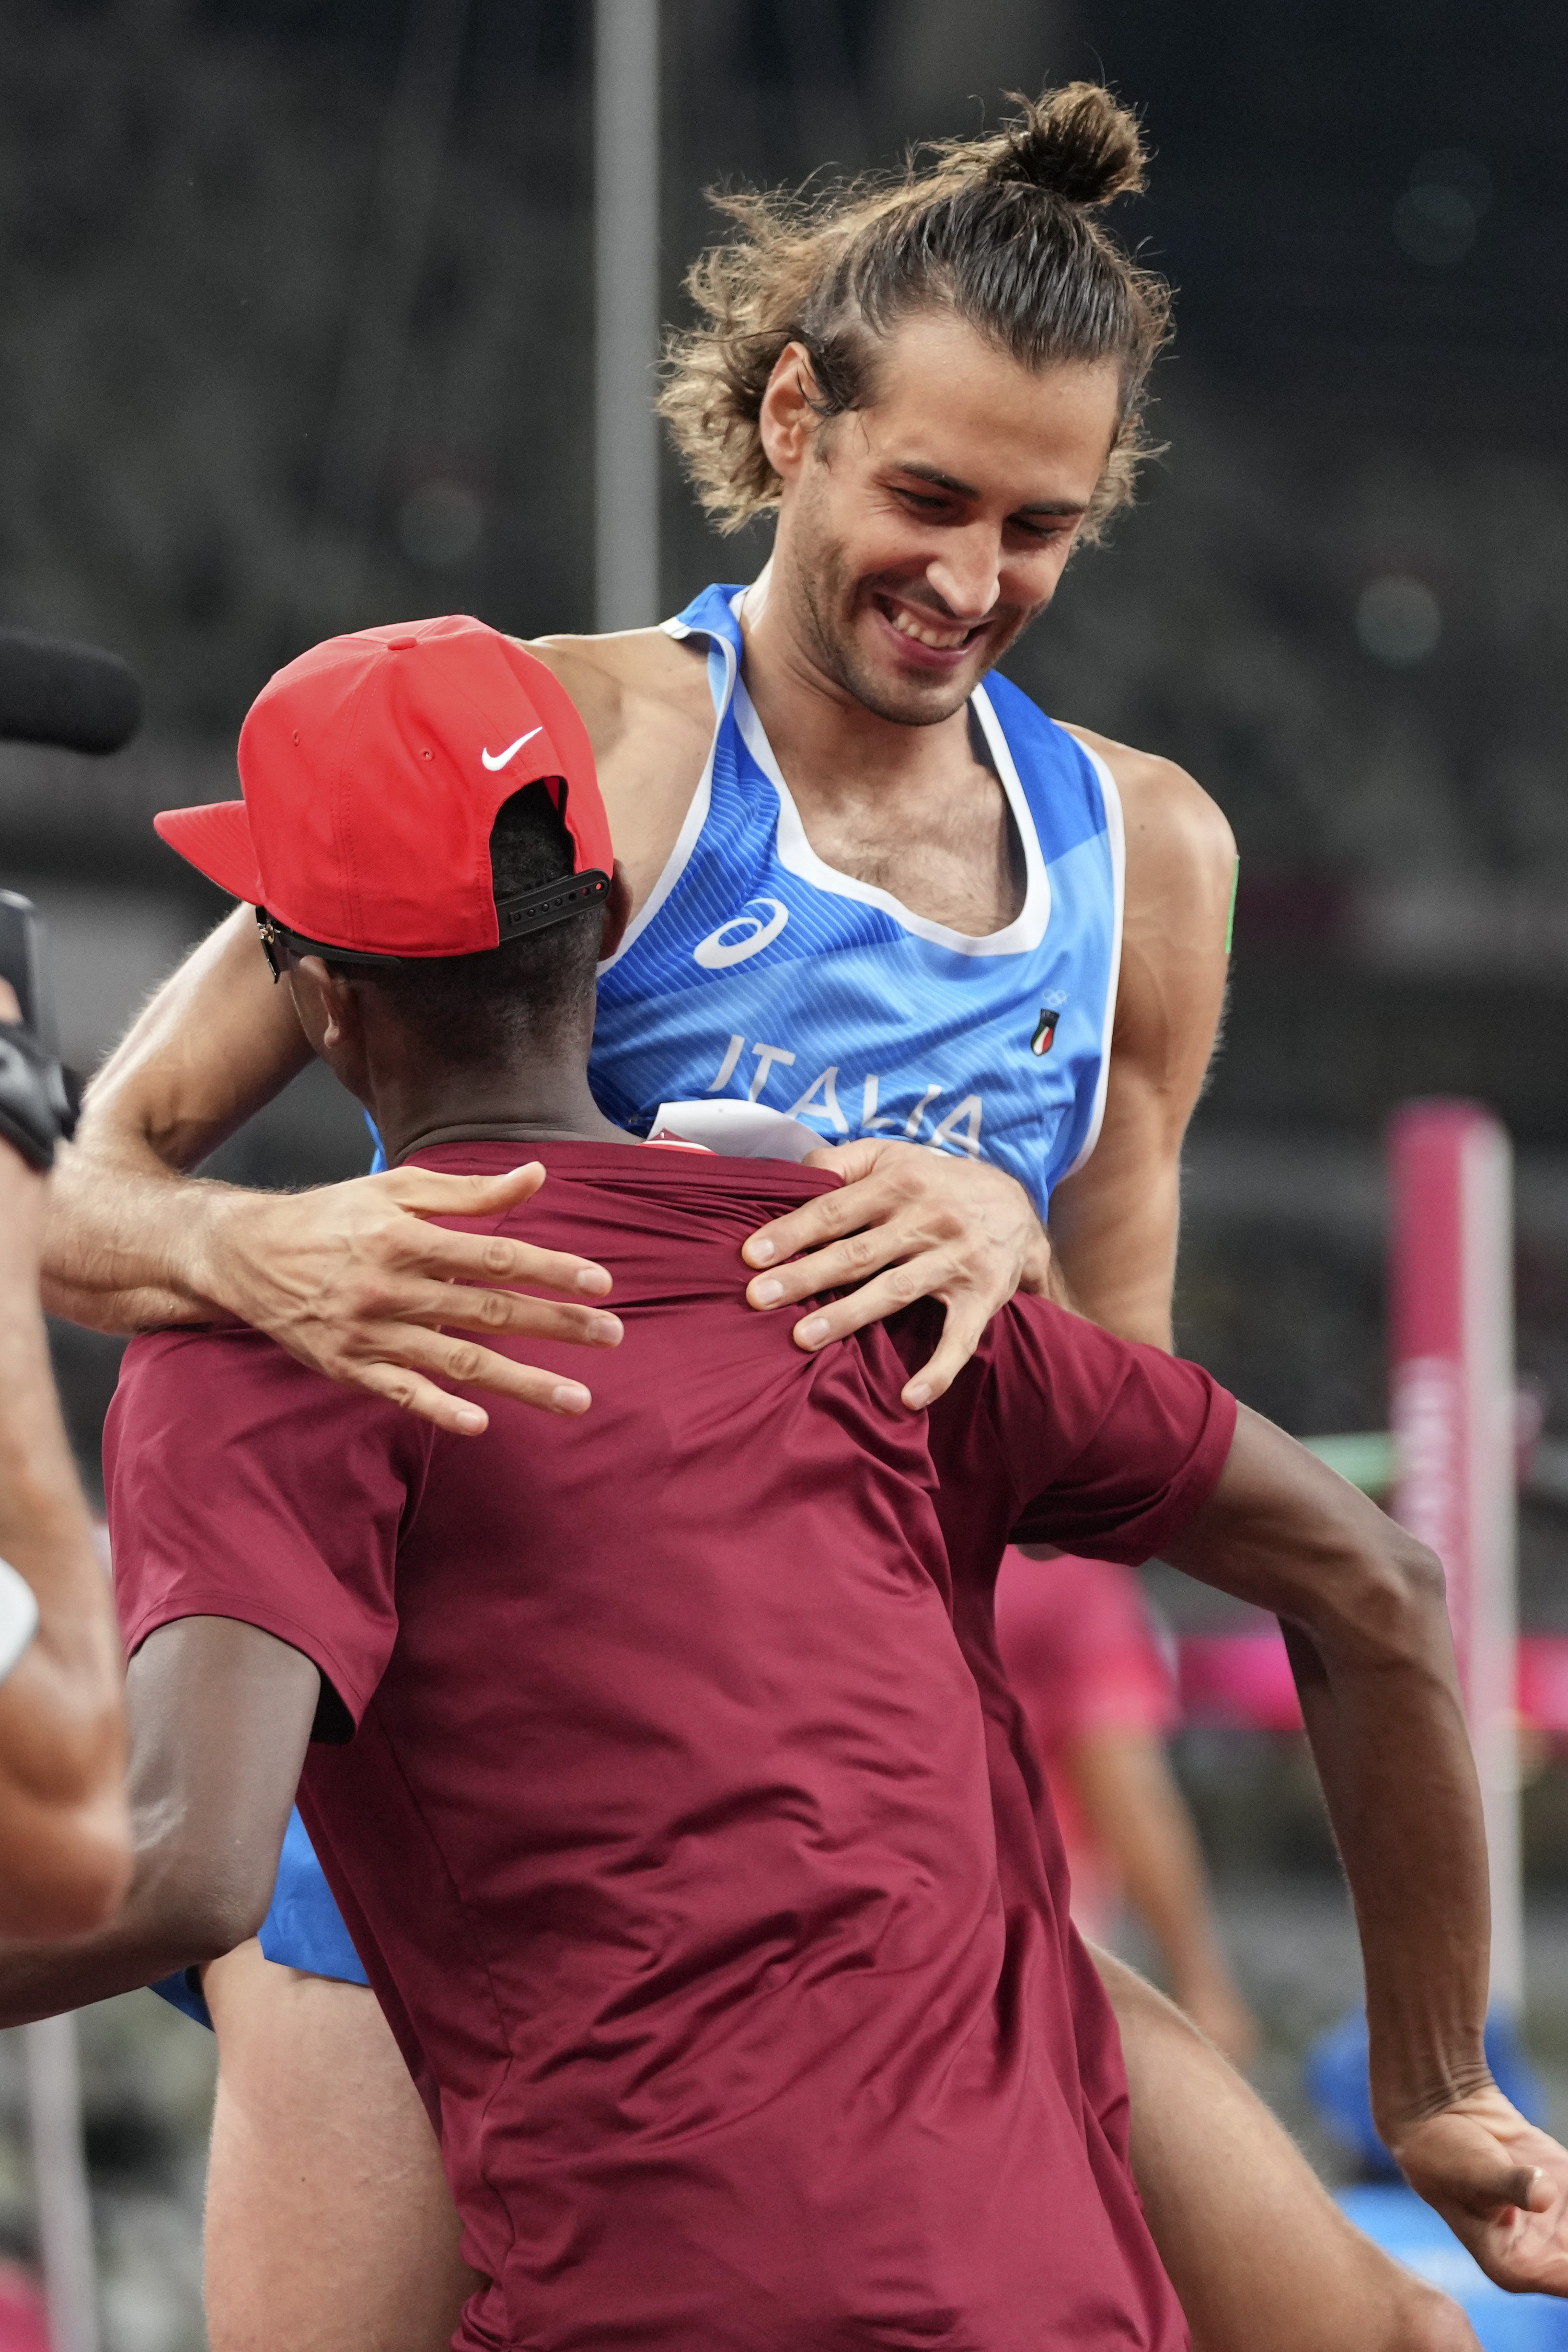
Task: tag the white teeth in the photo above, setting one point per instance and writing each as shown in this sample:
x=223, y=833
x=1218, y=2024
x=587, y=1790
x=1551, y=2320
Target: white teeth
x=908, y=629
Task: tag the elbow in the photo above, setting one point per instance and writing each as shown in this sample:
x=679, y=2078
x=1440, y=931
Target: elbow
x=76, y=1881
x=1422, y=1571
x=203, y=1912
x=1390, y=1606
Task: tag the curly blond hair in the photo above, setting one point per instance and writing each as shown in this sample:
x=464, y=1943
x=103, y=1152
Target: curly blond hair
x=1000, y=230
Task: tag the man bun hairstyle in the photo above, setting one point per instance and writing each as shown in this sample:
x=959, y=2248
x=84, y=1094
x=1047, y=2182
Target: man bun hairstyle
x=1001, y=231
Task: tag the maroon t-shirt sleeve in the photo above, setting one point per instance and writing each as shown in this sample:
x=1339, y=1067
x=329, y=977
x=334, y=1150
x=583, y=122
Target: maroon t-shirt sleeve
x=1105, y=1447
x=240, y=1483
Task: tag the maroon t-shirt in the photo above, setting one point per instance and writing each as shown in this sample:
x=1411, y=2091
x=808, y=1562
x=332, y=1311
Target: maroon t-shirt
x=695, y=1860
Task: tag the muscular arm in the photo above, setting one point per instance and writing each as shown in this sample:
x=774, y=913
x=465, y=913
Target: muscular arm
x=220, y=1716
x=64, y=1837
x=353, y=1278
x=1363, y=1608
x=1113, y=1226
x=129, y=1240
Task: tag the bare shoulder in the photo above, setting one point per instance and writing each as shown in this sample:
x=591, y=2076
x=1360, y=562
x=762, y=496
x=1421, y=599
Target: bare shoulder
x=644, y=700
x=626, y=682
x=1178, y=837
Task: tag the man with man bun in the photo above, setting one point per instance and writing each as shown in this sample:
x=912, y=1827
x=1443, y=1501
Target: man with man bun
x=865, y=890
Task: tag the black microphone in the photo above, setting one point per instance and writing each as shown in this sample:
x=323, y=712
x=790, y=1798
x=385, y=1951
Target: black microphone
x=76, y=695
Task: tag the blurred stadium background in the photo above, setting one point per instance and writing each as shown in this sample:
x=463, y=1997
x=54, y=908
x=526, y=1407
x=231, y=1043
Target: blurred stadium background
x=299, y=333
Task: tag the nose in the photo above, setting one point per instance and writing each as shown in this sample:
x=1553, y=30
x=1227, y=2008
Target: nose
x=966, y=575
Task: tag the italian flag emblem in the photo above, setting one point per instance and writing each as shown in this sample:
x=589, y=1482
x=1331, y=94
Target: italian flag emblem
x=1045, y=1031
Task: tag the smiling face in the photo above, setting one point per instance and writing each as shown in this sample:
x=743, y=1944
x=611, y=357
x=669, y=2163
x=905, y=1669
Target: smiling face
x=919, y=536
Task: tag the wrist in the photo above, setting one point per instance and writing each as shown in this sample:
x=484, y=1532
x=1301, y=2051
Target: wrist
x=213, y=1254
x=1405, y=2096
x=1035, y=1280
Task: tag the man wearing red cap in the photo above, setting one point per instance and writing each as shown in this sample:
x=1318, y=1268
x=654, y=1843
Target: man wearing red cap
x=327, y=862
x=661, y=1757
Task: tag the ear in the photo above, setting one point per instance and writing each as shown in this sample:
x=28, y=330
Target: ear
x=328, y=1009
x=617, y=913
x=786, y=421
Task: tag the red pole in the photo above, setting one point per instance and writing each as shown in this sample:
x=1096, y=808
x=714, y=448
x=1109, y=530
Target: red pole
x=1451, y=1365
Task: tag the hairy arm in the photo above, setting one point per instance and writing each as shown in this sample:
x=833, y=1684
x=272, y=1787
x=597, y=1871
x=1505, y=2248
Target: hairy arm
x=1113, y=1226
x=132, y=1239
x=220, y=1716
x=1363, y=1608
x=353, y=1279
x=65, y=1844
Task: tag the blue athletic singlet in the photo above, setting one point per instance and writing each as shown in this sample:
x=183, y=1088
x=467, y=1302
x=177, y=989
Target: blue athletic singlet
x=756, y=972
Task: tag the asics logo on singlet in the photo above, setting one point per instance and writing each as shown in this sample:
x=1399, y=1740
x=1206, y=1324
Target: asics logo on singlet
x=494, y=760
x=743, y=935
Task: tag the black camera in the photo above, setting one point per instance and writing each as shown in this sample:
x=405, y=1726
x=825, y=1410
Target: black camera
x=84, y=700
x=39, y=1098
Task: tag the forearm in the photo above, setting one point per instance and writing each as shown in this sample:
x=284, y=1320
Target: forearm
x=64, y=1843
x=130, y=1241
x=132, y=1238
x=221, y=1713
x=1393, y=1756
x=156, y=1932
x=1362, y=1607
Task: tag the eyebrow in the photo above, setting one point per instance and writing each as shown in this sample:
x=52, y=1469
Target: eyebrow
x=941, y=481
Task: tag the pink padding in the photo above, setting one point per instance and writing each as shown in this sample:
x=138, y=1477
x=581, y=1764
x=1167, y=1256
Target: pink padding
x=1543, y=1681
x=24, y=2326
x=1241, y=1681
x=1237, y=1682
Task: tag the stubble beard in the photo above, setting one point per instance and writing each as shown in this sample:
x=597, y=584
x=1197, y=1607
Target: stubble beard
x=822, y=591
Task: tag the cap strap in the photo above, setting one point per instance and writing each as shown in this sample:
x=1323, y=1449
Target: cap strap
x=551, y=902
x=528, y=910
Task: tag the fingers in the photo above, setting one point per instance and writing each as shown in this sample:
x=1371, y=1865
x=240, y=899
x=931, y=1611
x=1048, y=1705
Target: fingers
x=1457, y=2159
x=513, y=1312
x=411, y=1386
x=962, y=1333
x=446, y=1256
x=427, y=1192
x=431, y=1193
x=807, y=1227
x=1490, y=2189
x=898, y=1287
x=852, y=1259
x=965, y=1323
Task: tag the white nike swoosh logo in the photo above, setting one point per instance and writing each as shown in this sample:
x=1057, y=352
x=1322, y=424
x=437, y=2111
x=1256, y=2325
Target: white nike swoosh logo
x=499, y=759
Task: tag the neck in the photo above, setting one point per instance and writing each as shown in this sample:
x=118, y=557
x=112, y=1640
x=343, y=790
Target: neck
x=821, y=734
x=548, y=1103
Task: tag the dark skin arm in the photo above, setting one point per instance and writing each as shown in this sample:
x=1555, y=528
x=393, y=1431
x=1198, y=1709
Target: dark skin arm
x=1361, y=1605
x=220, y=1717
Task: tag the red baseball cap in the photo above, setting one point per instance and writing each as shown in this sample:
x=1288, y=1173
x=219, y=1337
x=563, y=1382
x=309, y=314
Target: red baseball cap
x=372, y=768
